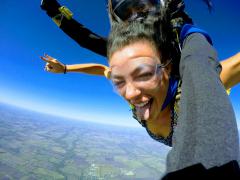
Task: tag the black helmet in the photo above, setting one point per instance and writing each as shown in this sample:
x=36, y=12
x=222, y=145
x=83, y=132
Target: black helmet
x=128, y=10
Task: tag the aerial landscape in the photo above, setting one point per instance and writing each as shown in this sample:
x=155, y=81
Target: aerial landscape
x=40, y=146
x=75, y=126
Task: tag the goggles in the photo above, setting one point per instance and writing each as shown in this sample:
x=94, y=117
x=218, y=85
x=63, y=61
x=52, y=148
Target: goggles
x=137, y=75
x=129, y=10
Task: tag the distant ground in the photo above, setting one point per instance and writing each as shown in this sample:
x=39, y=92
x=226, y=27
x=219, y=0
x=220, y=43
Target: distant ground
x=38, y=146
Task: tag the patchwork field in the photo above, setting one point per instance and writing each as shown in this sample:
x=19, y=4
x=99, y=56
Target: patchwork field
x=38, y=146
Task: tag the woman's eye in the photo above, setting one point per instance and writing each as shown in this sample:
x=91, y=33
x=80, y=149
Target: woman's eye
x=118, y=83
x=145, y=76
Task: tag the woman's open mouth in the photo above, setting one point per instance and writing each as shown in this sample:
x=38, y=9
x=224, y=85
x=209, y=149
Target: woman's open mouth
x=143, y=109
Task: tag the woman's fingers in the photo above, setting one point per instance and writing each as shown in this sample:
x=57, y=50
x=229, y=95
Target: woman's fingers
x=48, y=58
x=52, y=64
x=45, y=59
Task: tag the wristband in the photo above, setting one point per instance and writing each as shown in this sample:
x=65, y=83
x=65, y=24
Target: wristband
x=65, y=69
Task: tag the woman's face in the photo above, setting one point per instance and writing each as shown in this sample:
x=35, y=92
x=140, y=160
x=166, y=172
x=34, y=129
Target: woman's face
x=138, y=79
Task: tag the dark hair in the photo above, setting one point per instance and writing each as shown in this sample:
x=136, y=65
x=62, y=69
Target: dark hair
x=123, y=34
x=156, y=30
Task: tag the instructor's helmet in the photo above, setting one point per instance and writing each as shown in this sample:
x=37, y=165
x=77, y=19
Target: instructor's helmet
x=129, y=10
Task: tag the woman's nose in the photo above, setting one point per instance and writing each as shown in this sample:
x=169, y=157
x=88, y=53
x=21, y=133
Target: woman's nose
x=131, y=92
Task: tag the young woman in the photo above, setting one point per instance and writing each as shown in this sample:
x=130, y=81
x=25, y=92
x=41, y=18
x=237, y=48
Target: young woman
x=201, y=120
x=142, y=71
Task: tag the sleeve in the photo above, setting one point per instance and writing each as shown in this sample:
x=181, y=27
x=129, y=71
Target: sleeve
x=188, y=29
x=83, y=36
x=207, y=131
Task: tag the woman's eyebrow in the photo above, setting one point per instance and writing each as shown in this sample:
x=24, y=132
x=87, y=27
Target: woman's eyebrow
x=140, y=68
x=116, y=76
x=133, y=72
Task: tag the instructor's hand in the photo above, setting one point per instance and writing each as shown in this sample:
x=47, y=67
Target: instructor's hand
x=53, y=65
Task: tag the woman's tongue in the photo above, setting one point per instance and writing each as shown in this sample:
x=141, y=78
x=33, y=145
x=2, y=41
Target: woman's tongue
x=143, y=113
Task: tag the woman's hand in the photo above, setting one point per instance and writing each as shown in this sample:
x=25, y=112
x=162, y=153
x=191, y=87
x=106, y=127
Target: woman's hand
x=53, y=65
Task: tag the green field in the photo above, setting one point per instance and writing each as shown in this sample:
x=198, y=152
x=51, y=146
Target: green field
x=37, y=146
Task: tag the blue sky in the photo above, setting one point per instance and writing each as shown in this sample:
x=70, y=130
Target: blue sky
x=27, y=32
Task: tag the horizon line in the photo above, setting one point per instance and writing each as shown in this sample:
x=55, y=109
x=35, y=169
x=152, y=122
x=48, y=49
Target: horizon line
x=65, y=116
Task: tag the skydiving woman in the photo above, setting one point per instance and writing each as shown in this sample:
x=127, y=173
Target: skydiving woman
x=200, y=121
x=141, y=59
x=197, y=128
x=230, y=74
x=127, y=11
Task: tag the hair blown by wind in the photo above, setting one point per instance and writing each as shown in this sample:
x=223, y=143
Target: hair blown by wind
x=156, y=30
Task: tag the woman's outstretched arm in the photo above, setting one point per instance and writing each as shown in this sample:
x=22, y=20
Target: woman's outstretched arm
x=230, y=75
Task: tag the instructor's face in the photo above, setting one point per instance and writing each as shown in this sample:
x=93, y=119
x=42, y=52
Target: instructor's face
x=129, y=10
x=137, y=77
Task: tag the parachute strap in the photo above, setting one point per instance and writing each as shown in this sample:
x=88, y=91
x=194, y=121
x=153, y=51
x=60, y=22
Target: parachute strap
x=64, y=12
x=177, y=24
x=228, y=91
